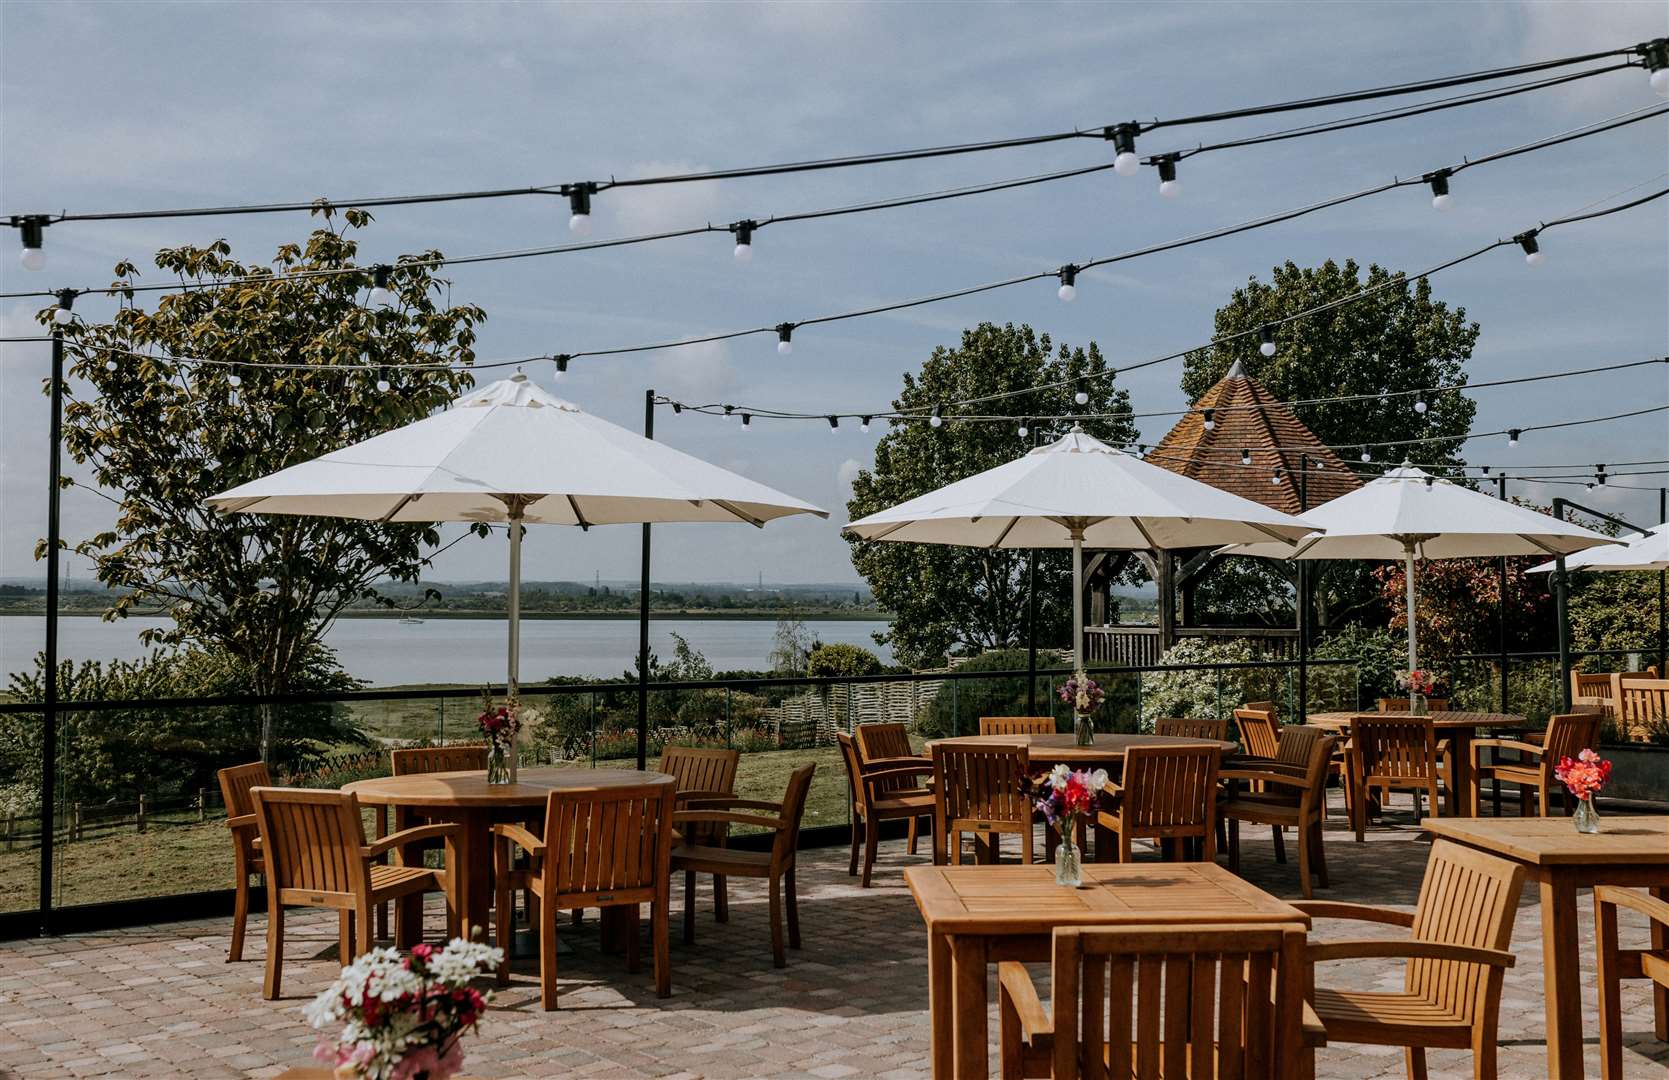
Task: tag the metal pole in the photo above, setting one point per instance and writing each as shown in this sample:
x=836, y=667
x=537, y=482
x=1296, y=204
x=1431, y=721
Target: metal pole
x=49, y=692
x=1077, y=599
x=1662, y=589
x=1503, y=660
x=1031, y=632
x=1303, y=599
x=512, y=666
x=1408, y=582
x=643, y=612
x=1560, y=597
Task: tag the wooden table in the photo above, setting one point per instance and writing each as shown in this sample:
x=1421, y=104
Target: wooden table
x=467, y=798
x=1631, y=851
x=979, y=915
x=1458, y=727
x=1058, y=749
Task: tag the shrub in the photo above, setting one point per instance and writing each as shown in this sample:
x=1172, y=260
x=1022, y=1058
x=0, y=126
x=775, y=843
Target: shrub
x=959, y=704
x=1196, y=691
x=1380, y=656
x=842, y=661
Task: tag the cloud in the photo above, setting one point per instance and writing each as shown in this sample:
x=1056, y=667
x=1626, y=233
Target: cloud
x=658, y=207
x=699, y=372
x=847, y=474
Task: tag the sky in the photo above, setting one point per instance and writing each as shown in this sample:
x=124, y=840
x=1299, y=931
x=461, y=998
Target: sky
x=108, y=106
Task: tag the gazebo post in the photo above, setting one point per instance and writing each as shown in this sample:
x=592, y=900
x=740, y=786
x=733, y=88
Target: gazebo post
x=643, y=613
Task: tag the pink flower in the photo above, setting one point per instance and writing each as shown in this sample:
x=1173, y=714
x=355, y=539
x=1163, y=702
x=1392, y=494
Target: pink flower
x=1584, y=775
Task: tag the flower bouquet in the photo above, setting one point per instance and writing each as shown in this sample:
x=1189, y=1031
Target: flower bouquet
x=1418, y=684
x=1085, y=696
x=1583, y=776
x=403, y=1016
x=500, y=725
x=1065, y=797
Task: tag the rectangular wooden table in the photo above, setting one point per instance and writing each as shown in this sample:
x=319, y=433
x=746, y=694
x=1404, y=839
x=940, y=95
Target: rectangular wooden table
x=1458, y=727
x=979, y=915
x=1631, y=851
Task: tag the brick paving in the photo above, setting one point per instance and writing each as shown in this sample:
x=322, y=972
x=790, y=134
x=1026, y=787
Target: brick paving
x=160, y=1001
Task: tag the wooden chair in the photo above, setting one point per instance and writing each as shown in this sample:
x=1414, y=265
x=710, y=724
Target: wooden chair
x=775, y=865
x=877, y=742
x=1260, y=734
x=235, y=784
x=1456, y=956
x=433, y=759
x=1391, y=752
x=1017, y=725
x=1402, y=704
x=980, y=789
x=876, y=796
x=1567, y=735
x=1172, y=1001
x=315, y=854
x=702, y=773
x=1281, y=799
x=1167, y=794
x=1616, y=964
x=1644, y=704
x=1186, y=728
x=605, y=848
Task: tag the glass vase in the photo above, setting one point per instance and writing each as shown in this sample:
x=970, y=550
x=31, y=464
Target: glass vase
x=1586, y=818
x=498, y=764
x=1069, y=864
x=1083, y=726
x=1418, y=705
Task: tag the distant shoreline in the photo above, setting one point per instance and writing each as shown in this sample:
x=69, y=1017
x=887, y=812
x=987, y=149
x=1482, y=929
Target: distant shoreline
x=628, y=616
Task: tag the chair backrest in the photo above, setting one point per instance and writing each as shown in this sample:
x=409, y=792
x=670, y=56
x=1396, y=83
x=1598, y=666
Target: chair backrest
x=235, y=784
x=1395, y=747
x=1568, y=734
x=1017, y=725
x=609, y=842
x=787, y=841
x=883, y=741
x=1402, y=704
x=1642, y=701
x=1296, y=743
x=854, y=771
x=1259, y=733
x=1170, y=790
x=1178, y=1001
x=695, y=768
x=311, y=840
x=1468, y=897
x=1590, y=683
x=982, y=783
x=1183, y=727
x=430, y=759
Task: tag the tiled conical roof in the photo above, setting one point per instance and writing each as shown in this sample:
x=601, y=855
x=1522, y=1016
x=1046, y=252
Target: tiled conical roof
x=1247, y=416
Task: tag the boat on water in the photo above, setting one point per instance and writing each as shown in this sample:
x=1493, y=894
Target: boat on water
x=410, y=620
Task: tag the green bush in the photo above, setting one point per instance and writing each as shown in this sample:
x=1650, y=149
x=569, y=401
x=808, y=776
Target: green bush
x=959, y=704
x=1196, y=693
x=842, y=661
x=1380, y=657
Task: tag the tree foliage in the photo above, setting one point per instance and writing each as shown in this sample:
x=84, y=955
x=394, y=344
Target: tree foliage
x=840, y=660
x=163, y=434
x=946, y=598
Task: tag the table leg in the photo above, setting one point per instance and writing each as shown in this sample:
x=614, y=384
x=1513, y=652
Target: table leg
x=969, y=957
x=1562, y=977
x=1460, y=773
x=939, y=1005
x=1660, y=996
x=475, y=868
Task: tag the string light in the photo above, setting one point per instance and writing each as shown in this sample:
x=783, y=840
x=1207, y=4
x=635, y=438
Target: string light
x=381, y=295
x=1266, y=340
x=1532, y=249
x=863, y=424
x=1069, y=283
x=1599, y=476
x=1169, y=186
x=747, y=420
x=834, y=423
x=1024, y=429
x=1365, y=455
x=1210, y=420
x=677, y=407
x=935, y=420
x=1512, y=436
x=1656, y=57
x=579, y=206
x=744, y=240
x=1125, y=162
x=31, y=226
x=729, y=410
x=383, y=385
x=234, y=380
x=1081, y=397
x=62, y=315
x=1275, y=477
x=561, y=364
x=1439, y=181
x=785, y=338
x=1245, y=456
x=1420, y=405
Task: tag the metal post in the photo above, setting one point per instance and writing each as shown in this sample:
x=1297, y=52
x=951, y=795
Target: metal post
x=1662, y=589
x=1560, y=595
x=1303, y=599
x=1503, y=660
x=643, y=613
x=1031, y=632
x=49, y=694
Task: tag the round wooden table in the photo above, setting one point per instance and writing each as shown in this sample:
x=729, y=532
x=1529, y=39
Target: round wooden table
x=467, y=799
x=1458, y=727
x=1064, y=749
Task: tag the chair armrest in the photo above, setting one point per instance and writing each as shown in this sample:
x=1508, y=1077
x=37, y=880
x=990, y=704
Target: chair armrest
x=436, y=830
x=1262, y=776
x=520, y=836
x=733, y=802
x=1370, y=948
x=1508, y=744
x=915, y=760
x=242, y=821
x=689, y=817
x=871, y=777
x=1649, y=906
x=695, y=793
x=1337, y=909
x=1314, y=1031
x=1015, y=987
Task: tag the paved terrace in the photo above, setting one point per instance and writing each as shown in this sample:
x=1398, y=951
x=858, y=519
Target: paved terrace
x=161, y=1001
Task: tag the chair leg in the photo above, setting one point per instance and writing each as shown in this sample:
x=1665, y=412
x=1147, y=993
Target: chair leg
x=1495, y=794
x=408, y=920
x=634, y=962
x=503, y=928
x=345, y=937
x=1208, y=844
x=380, y=814
x=547, y=955
x=778, y=957
x=721, y=898
x=1320, y=856
x=871, y=841
x=240, y=918
x=1416, y=1057
x=364, y=925
x=1234, y=845
x=659, y=937
x=689, y=907
x=913, y=823
x=1280, y=843
x=1542, y=807
x=275, y=952
x=793, y=909
x=857, y=838
x=1303, y=837
x=1025, y=843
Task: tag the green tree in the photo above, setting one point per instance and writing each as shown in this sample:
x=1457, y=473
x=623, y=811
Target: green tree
x=1397, y=339
x=176, y=415
x=841, y=660
x=953, y=598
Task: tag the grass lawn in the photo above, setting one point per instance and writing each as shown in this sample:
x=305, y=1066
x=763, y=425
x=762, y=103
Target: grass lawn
x=195, y=856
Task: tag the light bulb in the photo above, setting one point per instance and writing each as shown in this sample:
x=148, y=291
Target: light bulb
x=785, y=338
x=579, y=204
x=744, y=240
x=747, y=421
x=1365, y=455
x=234, y=379
x=1081, y=397
x=1512, y=437
x=381, y=295
x=1660, y=81
x=1210, y=420
x=743, y=253
x=1443, y=202
x=1023, y=431
x=382, y=386
x=63, y=316
x=579, y=224
x=1069, y=283
x=1170, y=189
x=1068, y=293
x=1168, y=185
x=1439, y=181
x=935, y=420
x=1127, y=164
x=863, y=424
x=1420, y=405
x=110, y=365
x=1267, y=348
x=1266, y=336
x=1535, y=258
x=834, y=423
x=1125, y=161
x=32, y=258
x=1245, y=457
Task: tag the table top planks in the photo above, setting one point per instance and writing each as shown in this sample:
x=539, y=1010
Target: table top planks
x=1021, y=900
x=1065, y=748
x=1554, y=841
x=470, y=788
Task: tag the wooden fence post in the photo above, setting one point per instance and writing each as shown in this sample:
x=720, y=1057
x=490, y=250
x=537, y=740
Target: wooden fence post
x=11, y=827
x=75, y=827
x=202, y=805
x=139, y=821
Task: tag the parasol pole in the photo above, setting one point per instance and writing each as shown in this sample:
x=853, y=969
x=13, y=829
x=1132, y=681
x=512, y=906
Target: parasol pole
x=1408, y=581
x=514, y=603
x=1077, y=599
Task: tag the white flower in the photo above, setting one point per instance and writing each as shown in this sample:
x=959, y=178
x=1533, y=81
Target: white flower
x=1098, y=780
x=1058, y=776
